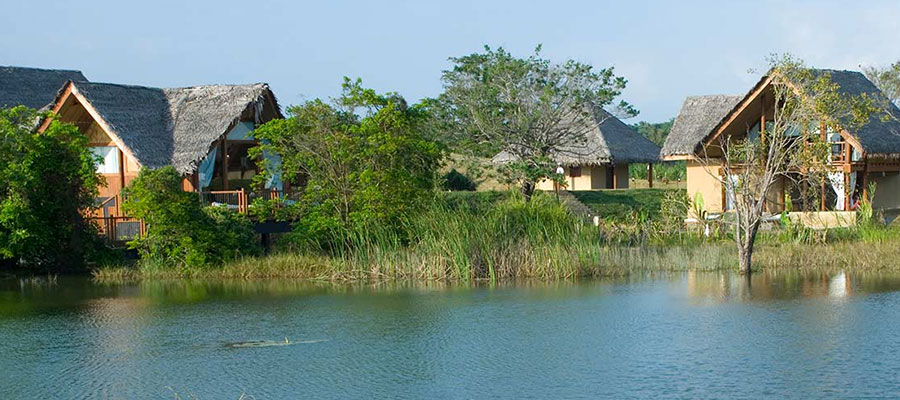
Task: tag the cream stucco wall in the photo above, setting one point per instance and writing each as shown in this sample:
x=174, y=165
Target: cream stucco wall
x=591, y=178
x=700, y=181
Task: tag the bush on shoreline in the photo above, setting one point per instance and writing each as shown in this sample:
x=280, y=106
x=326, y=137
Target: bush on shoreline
x=180, y=232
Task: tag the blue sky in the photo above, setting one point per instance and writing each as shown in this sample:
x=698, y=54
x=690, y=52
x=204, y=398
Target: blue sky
x=667, y=50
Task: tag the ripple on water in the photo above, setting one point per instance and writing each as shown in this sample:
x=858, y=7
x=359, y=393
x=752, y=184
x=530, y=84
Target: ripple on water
x=679, y=334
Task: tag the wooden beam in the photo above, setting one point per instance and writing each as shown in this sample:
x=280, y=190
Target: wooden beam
x=121, y=169
x=762, y=119
x=615, y=178
x=650, y=175
x=224, y=144
x=865, y=180
x=847, y=192
x=678, y=157
x=60, y=100
x=732, y=116
x=822, y=206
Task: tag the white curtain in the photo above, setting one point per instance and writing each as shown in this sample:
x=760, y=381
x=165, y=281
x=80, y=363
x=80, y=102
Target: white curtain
x=837, y=183
x=109, y=156
x=207, y=167
x=729, y=192
x=852, y=187
x=274, y=161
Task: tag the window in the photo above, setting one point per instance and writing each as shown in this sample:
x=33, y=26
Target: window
x=109, y=159
x=574, y=172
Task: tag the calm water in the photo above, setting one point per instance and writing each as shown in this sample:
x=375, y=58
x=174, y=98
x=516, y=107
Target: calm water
x=702, y=335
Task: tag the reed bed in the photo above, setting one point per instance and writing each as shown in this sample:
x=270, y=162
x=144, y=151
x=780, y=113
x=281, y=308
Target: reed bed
x=467, y=239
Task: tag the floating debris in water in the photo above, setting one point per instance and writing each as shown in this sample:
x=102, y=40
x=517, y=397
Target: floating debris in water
x=269, y=343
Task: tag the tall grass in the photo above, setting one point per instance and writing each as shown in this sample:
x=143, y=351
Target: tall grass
x=491, y=237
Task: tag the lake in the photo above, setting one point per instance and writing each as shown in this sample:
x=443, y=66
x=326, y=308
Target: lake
x=682, y=335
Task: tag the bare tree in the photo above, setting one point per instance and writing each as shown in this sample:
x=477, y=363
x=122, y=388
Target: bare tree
x=887, y=79
x=789, y=147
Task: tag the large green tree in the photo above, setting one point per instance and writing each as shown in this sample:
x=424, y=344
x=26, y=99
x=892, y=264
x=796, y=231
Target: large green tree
x=529, y=108
x=47, y=181
x=364, y=158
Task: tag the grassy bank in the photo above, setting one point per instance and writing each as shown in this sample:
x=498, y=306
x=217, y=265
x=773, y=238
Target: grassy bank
x=546, y=263
x=621, y=204
x=465, y=237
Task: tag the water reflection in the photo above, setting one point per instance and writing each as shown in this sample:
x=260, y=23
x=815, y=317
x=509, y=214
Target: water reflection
x=50, y=294
x=679, y=334
x=784, y=285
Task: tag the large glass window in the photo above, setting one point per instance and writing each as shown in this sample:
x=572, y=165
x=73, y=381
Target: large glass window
x=109, y=159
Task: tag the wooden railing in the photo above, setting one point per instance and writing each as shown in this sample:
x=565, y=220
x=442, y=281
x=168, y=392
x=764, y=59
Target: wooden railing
x=240, y=200
x=232, y=199
x=119, y=229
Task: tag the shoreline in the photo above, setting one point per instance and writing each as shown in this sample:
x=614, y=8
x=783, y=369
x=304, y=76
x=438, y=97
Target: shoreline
x=574, y=264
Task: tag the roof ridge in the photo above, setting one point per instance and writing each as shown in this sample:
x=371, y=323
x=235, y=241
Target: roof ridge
x=39, y=69
x=218, y=85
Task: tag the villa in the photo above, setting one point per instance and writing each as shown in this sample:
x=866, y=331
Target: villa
x=868, y=154
x=601, y=161
x=202, y=131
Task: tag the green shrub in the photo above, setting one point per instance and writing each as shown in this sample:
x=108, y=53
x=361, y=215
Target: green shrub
x=180, y=232
x=47, y=181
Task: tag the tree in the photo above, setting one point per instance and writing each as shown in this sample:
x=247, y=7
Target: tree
x=47, y=182
x=886, y=79
x=656, y=132
x=366, y=159
x=180, y=232
x=528, y=108
x=784, y=149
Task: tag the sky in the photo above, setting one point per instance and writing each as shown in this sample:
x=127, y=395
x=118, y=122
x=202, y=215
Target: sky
x=666, y=49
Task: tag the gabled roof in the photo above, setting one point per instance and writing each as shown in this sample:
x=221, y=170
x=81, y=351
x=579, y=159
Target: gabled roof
x=697, y=118
x=175, y=126
x=608, y=140
x=701, y=116
x=32, y=87
x=880, y=135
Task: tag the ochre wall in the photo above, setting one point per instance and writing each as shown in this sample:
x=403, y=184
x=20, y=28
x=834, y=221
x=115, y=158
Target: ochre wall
x=592, y=178
x=700, y=181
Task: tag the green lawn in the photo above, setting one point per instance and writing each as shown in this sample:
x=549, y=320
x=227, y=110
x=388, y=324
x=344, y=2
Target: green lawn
x=619, y=204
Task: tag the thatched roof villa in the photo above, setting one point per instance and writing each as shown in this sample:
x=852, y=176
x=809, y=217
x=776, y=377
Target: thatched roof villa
x=601, y=161
x=190, y=128
x=868, y=154
x=698, y=116
x=33, y=87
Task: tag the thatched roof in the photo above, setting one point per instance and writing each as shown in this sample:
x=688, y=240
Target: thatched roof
x=702, y=115
x=880, y=136
x=697, y=118
x=175, y=126
x=32, y=87
x=608, y=141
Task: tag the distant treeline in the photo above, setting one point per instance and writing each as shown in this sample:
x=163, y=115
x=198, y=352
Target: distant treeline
x=667, y=171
